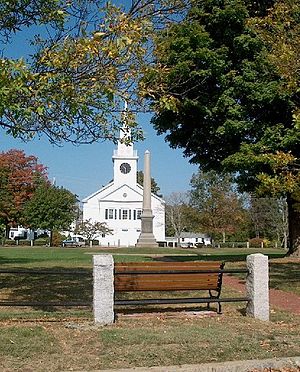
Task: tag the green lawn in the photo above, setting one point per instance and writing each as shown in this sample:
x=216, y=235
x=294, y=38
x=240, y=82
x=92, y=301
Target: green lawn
x=34, y=257
x=145, y=341
x=78, y=287
x=57, y=338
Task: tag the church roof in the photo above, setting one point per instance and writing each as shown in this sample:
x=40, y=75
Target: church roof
x=98, y=192
x=139, y=189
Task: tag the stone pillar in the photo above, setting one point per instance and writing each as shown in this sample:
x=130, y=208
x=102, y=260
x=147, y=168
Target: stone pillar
x=103, y=290
x=146, y=238
x=257, y=286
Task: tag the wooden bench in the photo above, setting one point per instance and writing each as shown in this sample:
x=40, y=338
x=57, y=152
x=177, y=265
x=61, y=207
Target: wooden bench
x=170, y=276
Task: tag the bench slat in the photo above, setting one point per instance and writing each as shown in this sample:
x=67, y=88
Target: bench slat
x=165, y=285
x=168, y=276
x=161, y=281
x=161, y=266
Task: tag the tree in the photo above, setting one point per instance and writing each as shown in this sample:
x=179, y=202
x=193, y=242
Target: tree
x=269, y=219
x=155, y=189
x=280, y=29
x=176, y=212
x=219, y=206
x=20, y=175
x=218, y=96
x=15, y=15
x=51, y=208
x=92, y=229
x=73, y=86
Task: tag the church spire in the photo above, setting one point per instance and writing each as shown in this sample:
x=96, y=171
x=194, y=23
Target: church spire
x=125, y=146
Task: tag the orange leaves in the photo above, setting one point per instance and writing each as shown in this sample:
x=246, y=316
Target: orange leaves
x=20, y=175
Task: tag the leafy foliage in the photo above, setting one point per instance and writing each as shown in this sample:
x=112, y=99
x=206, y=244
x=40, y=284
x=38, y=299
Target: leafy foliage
x=219, y=206
x=92, y=229
x=20, y=175
x=15, y=14
x=51, y=208
x=74, y=86
x=219, y=95
x=269, y=219
x=155, y=189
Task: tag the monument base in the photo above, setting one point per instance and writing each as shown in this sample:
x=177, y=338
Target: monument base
x=146, y=240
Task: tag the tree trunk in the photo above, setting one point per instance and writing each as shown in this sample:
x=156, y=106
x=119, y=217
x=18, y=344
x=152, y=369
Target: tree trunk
x=7, y=229
x=224, y=236
x=294, y=227
x=51, y=238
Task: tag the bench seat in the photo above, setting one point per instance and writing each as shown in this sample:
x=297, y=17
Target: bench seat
x=169, y=276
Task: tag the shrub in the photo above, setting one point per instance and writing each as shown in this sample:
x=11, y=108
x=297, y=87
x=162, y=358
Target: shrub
x=10, y=242
x=257, y=242
x=57, y=238
x=22, y=242
x=41, y=242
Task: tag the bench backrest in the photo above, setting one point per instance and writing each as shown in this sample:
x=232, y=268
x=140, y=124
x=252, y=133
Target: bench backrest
x=167, y=276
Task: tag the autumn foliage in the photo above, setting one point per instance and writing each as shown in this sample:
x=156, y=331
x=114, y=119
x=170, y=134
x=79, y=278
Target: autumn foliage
x=19, y=177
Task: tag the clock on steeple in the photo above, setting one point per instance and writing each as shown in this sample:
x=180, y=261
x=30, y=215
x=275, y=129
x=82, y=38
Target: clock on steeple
x=125, y=168
x=125, y=161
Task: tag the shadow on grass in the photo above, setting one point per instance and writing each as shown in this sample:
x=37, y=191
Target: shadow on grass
x=214, y=257
x=20, y=260
x=162, y=309
x=288, y=272
x=44, y=288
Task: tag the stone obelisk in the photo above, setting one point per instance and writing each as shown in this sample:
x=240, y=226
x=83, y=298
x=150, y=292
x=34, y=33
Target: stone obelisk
x=146, y=238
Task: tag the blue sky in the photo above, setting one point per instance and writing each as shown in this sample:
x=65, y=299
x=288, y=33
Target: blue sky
x=84, y=169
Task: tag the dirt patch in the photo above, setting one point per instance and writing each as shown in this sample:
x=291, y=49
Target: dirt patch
x=278, y=299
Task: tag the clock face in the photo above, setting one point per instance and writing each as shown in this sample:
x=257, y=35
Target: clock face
x=125, y=168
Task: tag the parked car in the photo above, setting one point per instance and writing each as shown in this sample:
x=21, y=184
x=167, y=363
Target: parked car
x=73, y=242
x=187, y=245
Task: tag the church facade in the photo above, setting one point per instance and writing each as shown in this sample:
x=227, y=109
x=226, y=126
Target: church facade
x=119, y=204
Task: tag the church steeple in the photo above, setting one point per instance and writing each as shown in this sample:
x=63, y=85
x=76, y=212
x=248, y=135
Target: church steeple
x=124, y=147
x=125, y=160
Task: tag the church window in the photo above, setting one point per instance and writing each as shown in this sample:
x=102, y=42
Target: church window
x=124, y=214
x=137, y=214
x=109, y=214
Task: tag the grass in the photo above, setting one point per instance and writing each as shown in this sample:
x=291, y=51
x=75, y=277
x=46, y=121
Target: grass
x=145, y=341
x=74, y=287
x=54, y=339
x=34, y=257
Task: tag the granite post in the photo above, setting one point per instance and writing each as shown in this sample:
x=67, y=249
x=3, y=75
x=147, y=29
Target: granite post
x=103, y=290
x=146, y=238
x=257, y=286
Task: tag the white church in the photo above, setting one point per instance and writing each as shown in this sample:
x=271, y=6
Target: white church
x=119, y=203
